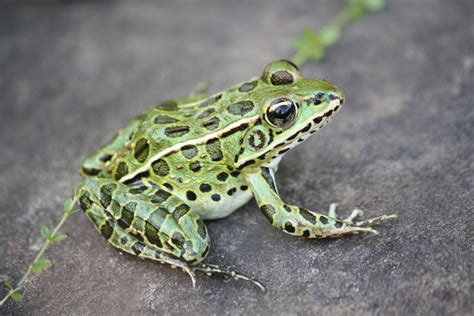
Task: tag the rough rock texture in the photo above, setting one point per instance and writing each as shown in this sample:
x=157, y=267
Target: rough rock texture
x=72, y=74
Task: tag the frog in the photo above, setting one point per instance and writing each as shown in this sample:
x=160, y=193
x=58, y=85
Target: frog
x=202, y=157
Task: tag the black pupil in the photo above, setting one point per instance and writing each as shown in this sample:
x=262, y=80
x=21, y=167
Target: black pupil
x=282, y=111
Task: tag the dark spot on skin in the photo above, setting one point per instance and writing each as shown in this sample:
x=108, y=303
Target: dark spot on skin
x=268, y=210
x=141, y=150
x=215, y=197
x=332, y=97
x=247, y=163
x=168, y=106
x=152, y=234
x=269, y=178
x=138, y=190
x=160, y=168
x=257, y=140
x=281, y=152
x=165, y=120
x=90, y=171
x=213, y=147
x=230, y=168
x=178, y=239
x=105, y=158
x=248, y=86
x=287, y=208
x=282, y=78
x=176, y=131
x=181, y=210
x=138, y=248
x=235, y=174
x=222, y=176
x=136, y=236
x=328, y=113
x=262, y=156
x=244, y=188
x=212, y=124
x=210, y=101
x=160, y=196
x=205, y=187
x=307, y=128
x=205, y=114
x=306, y=233
x=318, y=98
x=195, y=166
x=240, y=108
x=336, y=108
x=338, y=224
x=189, y=151
x=293, y=136
x=323, y=219
x=231, y=191
x=168, y=186
x=121, y=171
x=318, y=119
x=107, y=229
x=106, y=192
x=137, y=180
x=289, y=227
x=123, y=240
x=241, y=127
x=307, y=215
x=190, y=195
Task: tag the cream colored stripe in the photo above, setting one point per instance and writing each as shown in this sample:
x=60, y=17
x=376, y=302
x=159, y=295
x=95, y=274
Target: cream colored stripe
x=197, y=141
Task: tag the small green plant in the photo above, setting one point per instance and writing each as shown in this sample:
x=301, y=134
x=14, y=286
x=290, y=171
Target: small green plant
x=312, y=45
x=39, y=264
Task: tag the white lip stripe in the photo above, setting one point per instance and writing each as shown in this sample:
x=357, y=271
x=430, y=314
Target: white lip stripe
x=196, y=141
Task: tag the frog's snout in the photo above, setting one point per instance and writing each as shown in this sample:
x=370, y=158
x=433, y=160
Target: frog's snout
x=339, y=95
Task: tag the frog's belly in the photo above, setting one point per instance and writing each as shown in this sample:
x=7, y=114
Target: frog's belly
x=226, y=206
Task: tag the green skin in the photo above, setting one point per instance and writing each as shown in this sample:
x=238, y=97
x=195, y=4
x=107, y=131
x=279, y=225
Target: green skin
x=202, y=157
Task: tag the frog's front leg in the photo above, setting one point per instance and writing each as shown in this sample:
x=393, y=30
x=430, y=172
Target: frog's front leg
x=298, y=221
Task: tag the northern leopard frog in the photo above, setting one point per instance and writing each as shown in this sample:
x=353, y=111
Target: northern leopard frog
x=201, y=158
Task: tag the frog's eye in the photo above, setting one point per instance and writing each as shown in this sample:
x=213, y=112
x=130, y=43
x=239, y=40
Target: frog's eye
x=281, y=72
x=282, y=113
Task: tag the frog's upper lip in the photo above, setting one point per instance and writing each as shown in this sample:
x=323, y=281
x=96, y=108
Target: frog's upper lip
x=339, y=95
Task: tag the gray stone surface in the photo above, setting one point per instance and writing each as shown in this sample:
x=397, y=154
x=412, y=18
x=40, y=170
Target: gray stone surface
x=71, y=75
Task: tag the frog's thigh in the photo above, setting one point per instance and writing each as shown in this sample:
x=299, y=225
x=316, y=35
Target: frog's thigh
x=148, y=227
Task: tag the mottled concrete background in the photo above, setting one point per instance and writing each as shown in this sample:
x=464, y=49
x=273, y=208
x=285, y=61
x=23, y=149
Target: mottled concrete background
x=72, y=74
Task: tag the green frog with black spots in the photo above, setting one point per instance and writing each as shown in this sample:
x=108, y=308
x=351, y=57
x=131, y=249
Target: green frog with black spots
x=203, y=157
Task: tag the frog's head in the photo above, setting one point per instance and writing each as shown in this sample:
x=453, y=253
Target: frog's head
x=291, y=108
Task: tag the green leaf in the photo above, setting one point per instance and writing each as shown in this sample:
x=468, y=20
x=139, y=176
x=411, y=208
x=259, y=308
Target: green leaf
x=41, y=265
x=68, y=206
x=45, y=231
x=374, y=5
x=17, y=297
x=59, y=238
x=330, y=36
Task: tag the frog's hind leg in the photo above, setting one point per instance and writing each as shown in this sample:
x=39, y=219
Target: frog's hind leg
x=142, y=226
x=211, y=269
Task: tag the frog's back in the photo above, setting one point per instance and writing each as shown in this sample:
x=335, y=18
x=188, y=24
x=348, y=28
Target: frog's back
x=200, y=127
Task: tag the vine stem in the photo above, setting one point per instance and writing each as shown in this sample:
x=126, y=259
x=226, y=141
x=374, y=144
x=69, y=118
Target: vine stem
x=40, y=254
x=344, y=17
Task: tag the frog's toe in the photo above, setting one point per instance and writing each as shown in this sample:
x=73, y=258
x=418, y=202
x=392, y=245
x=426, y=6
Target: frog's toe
x=211, y=269
x=354, y=215
x=376, y=220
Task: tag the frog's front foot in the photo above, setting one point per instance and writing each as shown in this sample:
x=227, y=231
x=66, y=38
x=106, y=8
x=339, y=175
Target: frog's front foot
x=365, y=225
